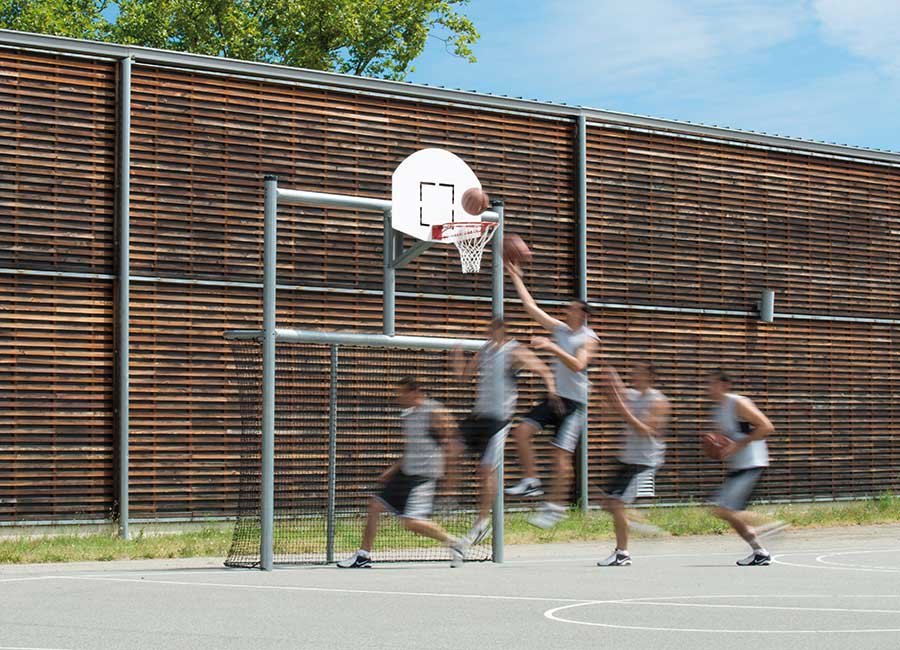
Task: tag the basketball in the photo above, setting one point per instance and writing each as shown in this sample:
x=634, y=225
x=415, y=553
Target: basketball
x=516, y=251
x=715, y=445
x=475, y=201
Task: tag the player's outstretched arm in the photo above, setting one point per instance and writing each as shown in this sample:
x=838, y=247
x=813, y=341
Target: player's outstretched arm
x=525, y=358
x=577, y=362
x=762, y=426
x=614, y=388
x=463, y=368
x=544, y=319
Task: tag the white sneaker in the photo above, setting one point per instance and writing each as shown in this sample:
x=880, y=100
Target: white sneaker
x=457, y=553
x=359, y=560
x=479, y=532
x=756, y=558
x=527, y=487
x=548, y=516
x=618, y=558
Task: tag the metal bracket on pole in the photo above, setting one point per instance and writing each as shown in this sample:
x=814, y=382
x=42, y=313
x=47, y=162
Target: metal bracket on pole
x=332, y=457
x=412, y=253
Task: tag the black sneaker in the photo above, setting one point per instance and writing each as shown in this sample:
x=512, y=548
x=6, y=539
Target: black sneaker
x=757, y=558
x=356, y=561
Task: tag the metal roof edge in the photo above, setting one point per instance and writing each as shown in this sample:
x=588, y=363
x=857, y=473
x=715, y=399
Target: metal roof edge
x=412, y=91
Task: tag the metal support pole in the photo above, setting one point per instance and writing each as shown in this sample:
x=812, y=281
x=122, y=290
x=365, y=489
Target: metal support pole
x=332, y=455
x=389, y=275
x=124, y=286
x=497, y=304
x=582, y=291
x=267, y=490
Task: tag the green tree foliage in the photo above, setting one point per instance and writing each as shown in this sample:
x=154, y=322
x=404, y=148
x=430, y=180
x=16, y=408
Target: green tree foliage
x=72, y=18
x=378, y=38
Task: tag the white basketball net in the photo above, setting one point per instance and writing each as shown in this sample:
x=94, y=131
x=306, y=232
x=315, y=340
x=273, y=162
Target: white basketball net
x=470, y=239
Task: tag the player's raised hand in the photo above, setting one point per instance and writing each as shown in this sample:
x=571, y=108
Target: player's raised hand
x=541, y=343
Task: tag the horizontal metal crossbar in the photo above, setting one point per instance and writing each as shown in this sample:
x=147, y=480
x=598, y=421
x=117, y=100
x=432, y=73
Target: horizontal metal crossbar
x=362, y=340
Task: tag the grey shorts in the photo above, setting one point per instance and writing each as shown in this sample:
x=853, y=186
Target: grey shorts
x=408, y=496
x=737, y=489
x=624, y=485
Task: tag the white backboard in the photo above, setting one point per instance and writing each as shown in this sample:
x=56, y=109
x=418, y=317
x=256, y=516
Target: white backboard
x=427, y=189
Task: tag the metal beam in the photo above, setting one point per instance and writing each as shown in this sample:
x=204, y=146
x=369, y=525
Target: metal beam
x=582, y=290
x=377, y=86
x=123, y=301
x=326, y=200
x=498, y=510
x=360, y=340
x=389, y=278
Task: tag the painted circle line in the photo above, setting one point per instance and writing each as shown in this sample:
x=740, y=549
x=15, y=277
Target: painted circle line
x=834, y=566
x=553, y=613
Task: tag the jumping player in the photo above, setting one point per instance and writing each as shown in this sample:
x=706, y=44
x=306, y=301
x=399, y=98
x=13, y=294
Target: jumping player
x=409, y=484
x=737, y=418
x=484, y=429
x=573, y=345
x=647, y=412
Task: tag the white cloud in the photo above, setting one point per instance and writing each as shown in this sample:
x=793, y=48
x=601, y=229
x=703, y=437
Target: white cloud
x=627, y=44
x=868, y=28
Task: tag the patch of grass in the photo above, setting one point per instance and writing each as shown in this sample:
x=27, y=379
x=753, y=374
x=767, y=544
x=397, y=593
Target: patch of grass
x=596, y=525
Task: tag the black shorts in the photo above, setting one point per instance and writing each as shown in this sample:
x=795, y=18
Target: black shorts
x=568, y=421
x=737, y=489
x=409, y=496
x=479, y=435
x=624, y=483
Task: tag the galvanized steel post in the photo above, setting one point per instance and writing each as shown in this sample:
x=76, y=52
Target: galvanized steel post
x=332, y=456
x=497, y=309
x=389, y=274
x=124, y=293
x=582, y=289
x=267, y=488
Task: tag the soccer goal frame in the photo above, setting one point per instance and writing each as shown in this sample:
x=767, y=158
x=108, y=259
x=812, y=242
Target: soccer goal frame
x=394, y=258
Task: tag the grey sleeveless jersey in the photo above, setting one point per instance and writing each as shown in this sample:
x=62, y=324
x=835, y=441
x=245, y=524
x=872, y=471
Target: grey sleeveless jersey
x=756, y=454
x=642, y=450
x=496, y=383
x=422, y=453
x=569, y=384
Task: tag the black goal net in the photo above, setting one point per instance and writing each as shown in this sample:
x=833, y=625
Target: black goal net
x=337, y=428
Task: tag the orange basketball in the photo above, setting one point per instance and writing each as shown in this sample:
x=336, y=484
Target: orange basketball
x=516, y=251
x=475, y=201
x=715, y=445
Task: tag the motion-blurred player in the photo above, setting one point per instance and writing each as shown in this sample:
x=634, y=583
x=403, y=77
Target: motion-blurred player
x=484, y=429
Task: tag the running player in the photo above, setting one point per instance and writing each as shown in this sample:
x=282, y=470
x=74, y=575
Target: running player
x=409, y=484
x=737, y=418
x=647, y=412
x=573, y=345
x=484, y=429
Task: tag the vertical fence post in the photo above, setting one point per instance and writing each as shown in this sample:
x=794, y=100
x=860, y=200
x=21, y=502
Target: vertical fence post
x=124, y=296
x=497, y=308
x=332, y=455
x=389, y=274
x=581, y=181
x=267, y=491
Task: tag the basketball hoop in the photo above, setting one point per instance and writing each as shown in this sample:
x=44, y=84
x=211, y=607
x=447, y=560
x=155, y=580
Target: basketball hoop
x=470, y=238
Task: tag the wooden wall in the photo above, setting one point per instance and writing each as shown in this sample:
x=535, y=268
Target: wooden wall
x=673, y=223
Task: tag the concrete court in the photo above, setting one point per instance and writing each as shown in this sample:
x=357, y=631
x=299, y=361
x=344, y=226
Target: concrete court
x=830, y=589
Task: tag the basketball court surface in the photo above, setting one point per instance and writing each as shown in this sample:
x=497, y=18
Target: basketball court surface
x=828, y=590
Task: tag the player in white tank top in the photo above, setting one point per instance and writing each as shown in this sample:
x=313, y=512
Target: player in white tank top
x=738, y=418
x=572, y=346
x=484, y=429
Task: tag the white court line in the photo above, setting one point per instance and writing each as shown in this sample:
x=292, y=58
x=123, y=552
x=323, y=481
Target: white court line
x=25, y=579
x=11, y=647
x=553, y=615
x=825, y=566
x=376, y=592
x=822, y=559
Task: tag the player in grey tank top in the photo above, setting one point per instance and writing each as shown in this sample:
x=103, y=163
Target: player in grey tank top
x=646, y=413
x=737, y=418
x=572, y=346
x=484, y=430
x=429, y=445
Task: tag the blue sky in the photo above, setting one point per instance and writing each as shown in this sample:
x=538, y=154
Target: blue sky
x=821, y=69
